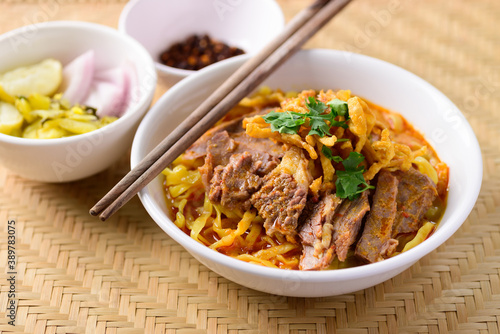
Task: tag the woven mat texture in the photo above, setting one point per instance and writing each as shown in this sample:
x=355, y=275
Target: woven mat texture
x=79, y=275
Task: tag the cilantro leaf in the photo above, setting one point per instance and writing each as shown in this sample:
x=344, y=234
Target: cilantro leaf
x=352, y=162
x=339, y=108
x=327, y=152
x=341, y=124
x=337, y=158
x=320, y=120
x=318, y=127
x=284, y=122
x=315, y=107
x=349, y=185
x=351, y=182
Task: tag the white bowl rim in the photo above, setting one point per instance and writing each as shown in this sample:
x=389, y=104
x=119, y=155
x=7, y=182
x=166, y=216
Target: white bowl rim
x=109, y=127
x=409, y=257
x=169, y=69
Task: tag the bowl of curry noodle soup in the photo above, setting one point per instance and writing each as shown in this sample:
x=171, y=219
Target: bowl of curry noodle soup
x=337, y=174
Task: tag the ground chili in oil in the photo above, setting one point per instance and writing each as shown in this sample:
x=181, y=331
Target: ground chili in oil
x=197, y=52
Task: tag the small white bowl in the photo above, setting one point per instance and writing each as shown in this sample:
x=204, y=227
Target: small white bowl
x=157, y=24
x=73, y=158
x=385, y=84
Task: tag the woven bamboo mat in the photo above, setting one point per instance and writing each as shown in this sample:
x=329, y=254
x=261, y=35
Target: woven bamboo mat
x=79, y=275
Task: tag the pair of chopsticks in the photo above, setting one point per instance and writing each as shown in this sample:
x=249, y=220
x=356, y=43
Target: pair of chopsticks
x=242, y=82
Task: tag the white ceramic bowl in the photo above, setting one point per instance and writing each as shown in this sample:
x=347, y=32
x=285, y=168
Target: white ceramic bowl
x=73, y=158
x=382, y=83
x=157, y=24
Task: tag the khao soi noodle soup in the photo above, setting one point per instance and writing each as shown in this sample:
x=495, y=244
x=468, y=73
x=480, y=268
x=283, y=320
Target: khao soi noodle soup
x=310, y=181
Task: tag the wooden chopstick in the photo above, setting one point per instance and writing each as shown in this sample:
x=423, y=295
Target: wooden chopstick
x=297, y=22
x=121, y=194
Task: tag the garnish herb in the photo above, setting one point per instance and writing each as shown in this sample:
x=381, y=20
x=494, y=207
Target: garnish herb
x=320, y=120
x=317, y=117
x=350, y=183
x=285, y=122
x=327, y=152
x=339, y=107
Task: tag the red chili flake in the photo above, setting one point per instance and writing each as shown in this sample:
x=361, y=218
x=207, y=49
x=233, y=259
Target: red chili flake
x=197, y=52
